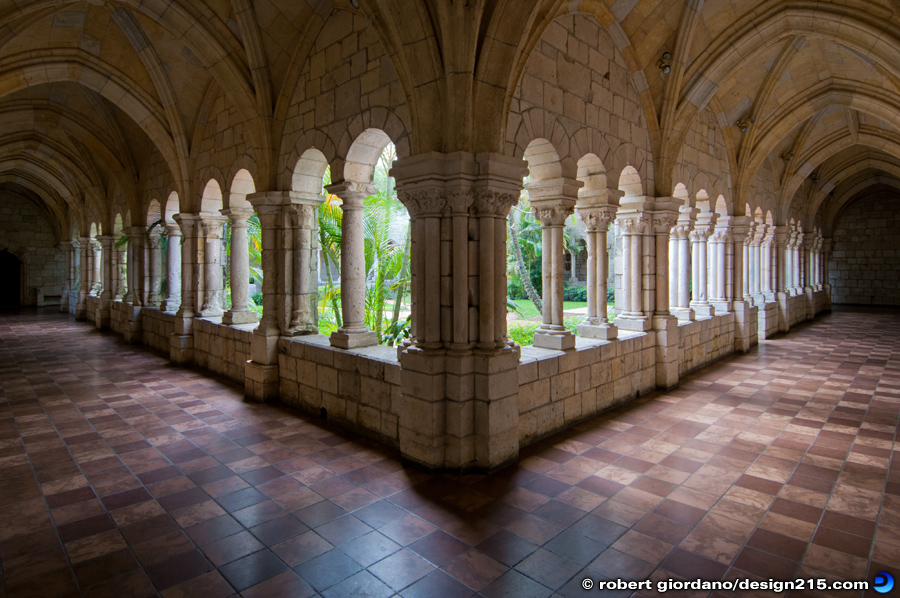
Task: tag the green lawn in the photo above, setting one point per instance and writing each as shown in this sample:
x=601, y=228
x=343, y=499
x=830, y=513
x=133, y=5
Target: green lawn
x=527, y=309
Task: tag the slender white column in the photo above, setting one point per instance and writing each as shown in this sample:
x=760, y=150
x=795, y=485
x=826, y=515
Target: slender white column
x=239, y=312
x=212, y=265
x=699, y=238
x=552, y=214
x=173, y=268
x=187, y=306
x=747, y=267
x=721, y=273
x=353, y=333
x=96, y=256
x=304, y=221
x=154, y=296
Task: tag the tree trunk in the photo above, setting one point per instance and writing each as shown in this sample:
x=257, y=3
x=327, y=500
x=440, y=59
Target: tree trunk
x=523, y=270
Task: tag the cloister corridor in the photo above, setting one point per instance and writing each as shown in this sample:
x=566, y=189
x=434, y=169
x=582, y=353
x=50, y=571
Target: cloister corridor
x=123, y=475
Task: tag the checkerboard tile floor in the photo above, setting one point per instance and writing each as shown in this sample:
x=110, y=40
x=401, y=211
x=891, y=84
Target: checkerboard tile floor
x=121, y=475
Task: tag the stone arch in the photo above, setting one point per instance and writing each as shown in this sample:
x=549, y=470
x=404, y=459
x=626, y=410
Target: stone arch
x=592, y=173
x=721, y=206
x=314, y=140
x=540, y=125
x=309, y=171
x=702, y=200
x=244, y=166
x=378, y=126
x=630, y=182
x=681, y=193
x=211, y=199
x=172, y=206
x=543, y=161
x=154, y=212
x=362, y=156
x=242, y=185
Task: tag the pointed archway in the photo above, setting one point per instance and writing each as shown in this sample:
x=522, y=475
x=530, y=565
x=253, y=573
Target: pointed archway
x=11, y=275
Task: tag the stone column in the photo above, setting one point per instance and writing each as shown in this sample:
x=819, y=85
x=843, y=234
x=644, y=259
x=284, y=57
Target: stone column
x=95, y=267
x=84, y=288
x=102, y=316
x=664, y=216
x=633, y=224
x=745, y=314
x=136, y=237
x=261, y=377
x=154, y=243
x=780, y=250
x=552, y=212
x=182, y=340
x=747, y=267
x=211, y=227
x=699, y=237
x=759, y=269
x=721, y=266
x=69, y=282
x=305, y=224
x=239, y=312
x=807, y=274
x=353, y=333
x=768, y=243
x=597, y=218
x=680, y=263
x=173, y=268
x=827, y=248
x=121, y=270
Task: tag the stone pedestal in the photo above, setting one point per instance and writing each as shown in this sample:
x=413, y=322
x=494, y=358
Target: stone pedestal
x=667, y=351
x=132, y=332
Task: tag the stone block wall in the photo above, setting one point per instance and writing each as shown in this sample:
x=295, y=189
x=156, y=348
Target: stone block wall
x=156, y=328
x=118, y=316
x=359, y=388
x=26, y=232
x=797, y=310
x=222, y=349
x=704, y=341
x=557, y=389
x=864, y=268
x=768, y=320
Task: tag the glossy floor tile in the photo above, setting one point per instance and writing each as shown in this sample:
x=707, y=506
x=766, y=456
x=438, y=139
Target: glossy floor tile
x=121, y=475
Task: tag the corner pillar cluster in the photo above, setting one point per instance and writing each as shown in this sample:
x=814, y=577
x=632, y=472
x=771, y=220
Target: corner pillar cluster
x=459, y=380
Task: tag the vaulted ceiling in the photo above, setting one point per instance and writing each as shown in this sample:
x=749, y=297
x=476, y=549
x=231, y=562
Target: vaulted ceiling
x=98, y=97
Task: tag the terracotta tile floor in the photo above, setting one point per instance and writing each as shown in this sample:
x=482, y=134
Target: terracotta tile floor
x=121, y=475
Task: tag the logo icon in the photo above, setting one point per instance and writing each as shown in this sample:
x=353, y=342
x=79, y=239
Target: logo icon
x=884, y=583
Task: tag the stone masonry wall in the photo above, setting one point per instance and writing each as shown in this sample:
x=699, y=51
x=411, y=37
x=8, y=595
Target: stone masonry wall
x=703, y=341
x=25, y=232
x=557, y=389
x=156, y=328
x=864, y=268
x=359, y=388
x=222, y=349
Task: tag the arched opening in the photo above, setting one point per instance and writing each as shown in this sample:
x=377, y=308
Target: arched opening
x=630, y=182
x=243, y=254
x=11, y=272
x=369, y=211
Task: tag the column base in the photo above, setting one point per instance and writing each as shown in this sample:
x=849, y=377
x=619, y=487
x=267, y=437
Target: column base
x=721, y=307
x=556, y=340
x=261, y=382
x=181, y=348
x=633, y=323
x=603, y=331
x=211, y=313
x=684, y=314
x=703, y=310
x=244, y=316
x=353, y=340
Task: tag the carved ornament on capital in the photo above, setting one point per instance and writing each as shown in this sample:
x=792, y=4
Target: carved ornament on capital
x=459, y=201
x=664, y=224
x=552, y=215
x=700, y=233
x=597, y=219
x=636, y=224
x=424, y=203
x=304, y=216
x=497, y=203
x=680, y=232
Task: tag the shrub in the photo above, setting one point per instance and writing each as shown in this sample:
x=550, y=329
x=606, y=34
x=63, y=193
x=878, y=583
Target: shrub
x=575, y=294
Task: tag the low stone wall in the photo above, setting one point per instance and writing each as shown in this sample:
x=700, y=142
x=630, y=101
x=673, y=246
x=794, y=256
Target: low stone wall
x=703, y=341
x=768, y=320
x=557, y=389
x=359, y=388
x=222, y=349
x=156, y=328
x=797, y=310
x=118, y=316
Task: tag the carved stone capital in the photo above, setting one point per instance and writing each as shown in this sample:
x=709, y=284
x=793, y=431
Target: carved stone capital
x=424, y=202
x=633, y=224
x=663, y=223
x=597, y=218
x=497, y=203
x=303, y=216
x=551, y=215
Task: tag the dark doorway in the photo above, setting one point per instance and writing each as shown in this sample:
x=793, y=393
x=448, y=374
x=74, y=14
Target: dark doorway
x=11, y=277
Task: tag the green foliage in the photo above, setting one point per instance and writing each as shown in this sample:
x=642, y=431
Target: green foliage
x=611, y=296
x=522, y=332
x=575, y=294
